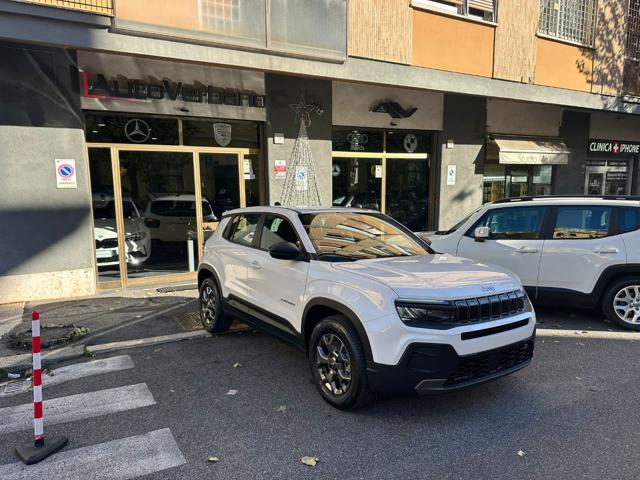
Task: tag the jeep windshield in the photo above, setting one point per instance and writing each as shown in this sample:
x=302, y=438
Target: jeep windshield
x=349, y=236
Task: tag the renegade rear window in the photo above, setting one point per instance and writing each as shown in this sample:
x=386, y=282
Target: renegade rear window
x=629, y=219
x=582, y=222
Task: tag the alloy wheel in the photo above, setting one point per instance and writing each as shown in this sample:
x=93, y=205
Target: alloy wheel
x=333, y=363
x=626, y=304
x=208, y=305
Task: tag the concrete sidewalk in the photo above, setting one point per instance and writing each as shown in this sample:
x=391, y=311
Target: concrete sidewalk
x=111, y=318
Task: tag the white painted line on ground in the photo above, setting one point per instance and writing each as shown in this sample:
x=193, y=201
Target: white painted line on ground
x=122, y=459
x=145, y=342
x=77, y=407
x=586, y=334
x=69, y=373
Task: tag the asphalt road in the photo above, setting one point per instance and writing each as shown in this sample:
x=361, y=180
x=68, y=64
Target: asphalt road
x=573, y=412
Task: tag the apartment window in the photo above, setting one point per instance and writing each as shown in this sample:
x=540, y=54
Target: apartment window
x=633, y=30
x=219, y=15
x=478, y=9
x=571, y=20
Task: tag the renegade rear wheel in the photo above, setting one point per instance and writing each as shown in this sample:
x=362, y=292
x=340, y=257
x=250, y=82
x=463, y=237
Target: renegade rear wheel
x=338, y=364
x=211, y=314
x=621, y=303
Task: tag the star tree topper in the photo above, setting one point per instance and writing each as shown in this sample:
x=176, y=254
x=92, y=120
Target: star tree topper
x=303, y=111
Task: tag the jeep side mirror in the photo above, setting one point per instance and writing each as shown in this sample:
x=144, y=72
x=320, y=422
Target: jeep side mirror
x=284, y=251
x=481, y=234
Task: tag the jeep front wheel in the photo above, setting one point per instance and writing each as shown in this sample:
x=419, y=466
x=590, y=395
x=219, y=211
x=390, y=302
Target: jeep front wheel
x=338, y=364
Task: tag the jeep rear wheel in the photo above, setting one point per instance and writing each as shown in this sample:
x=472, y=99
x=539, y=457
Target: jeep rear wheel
x=338, y=365
x=621, y=303
x=211, y=313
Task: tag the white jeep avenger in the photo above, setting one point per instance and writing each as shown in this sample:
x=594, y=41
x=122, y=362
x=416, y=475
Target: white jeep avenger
x=375, y=308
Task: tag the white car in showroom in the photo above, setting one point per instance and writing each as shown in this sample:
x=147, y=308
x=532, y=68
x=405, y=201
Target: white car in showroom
x=172, y=216
x=571, y=251
x=137, y=238
x=372, y=305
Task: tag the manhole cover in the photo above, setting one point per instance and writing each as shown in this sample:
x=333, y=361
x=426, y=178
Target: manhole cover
x=189, y=321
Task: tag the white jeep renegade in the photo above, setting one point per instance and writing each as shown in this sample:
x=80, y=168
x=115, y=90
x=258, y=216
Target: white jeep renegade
x=375, y=308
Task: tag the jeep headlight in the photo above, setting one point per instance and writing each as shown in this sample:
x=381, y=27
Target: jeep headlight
x=136, y=237
x=427, y=314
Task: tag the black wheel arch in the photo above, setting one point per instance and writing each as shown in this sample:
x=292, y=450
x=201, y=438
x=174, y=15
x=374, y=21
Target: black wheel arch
x=207, y=272
x=319, y=308
x=612, y=274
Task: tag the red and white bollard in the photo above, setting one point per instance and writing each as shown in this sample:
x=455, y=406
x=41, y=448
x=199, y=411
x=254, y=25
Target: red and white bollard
x=31, y=454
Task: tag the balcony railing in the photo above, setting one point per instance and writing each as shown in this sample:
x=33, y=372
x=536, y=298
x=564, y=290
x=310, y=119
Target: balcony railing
x=102, y=7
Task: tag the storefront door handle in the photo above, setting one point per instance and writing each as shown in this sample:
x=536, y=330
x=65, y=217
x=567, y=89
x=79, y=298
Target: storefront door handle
x=606, y=250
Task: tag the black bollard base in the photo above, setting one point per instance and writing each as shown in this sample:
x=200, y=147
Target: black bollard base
x=31, y=454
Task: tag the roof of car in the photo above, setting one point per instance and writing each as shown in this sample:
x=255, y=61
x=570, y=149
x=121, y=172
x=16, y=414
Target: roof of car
x=298, y=210
x=189, y=197
x=572, y=199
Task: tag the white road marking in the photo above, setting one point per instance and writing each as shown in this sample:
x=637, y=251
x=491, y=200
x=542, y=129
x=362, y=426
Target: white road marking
x=121, y=459
x=586, y=334
x=145, y=342
x=77, y=407
x=70, y=372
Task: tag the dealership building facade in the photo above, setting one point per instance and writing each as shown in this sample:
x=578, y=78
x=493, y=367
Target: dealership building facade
x=127, y=130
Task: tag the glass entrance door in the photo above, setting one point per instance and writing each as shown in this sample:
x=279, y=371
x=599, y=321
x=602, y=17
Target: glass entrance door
x=154, y=208
x=161, y=185
x=407, y=192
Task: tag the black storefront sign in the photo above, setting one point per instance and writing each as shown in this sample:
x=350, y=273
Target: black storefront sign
x=613, y=147
x=136, y=89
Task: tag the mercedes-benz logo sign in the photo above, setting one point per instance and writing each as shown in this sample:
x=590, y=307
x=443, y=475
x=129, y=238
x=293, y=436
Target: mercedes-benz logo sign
x=137, y=131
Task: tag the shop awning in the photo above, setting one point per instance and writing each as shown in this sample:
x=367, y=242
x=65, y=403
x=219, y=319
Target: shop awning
x=514, y=150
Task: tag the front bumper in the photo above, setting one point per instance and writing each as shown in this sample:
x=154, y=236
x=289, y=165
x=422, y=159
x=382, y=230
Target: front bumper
x=431, y=368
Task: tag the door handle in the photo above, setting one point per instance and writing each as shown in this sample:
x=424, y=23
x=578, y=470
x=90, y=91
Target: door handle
x=527, y=250
x=606, y=250
x=255, y=265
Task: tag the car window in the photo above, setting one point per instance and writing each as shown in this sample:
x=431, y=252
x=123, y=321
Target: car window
x=582, y=222
x=348, y=236
x=512, y=223
x=629, y=219
x=244, y=229
x=276, y=230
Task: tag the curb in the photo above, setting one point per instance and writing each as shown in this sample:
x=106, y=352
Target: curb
x=23, y=362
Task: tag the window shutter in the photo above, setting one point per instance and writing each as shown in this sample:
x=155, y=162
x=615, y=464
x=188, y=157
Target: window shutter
x=484, y=5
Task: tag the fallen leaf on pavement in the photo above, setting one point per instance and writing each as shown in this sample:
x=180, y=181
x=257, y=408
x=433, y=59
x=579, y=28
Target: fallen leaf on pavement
x=578, y=378
x=236, y=365
x=232, y=392
x=311, y=461
x=281, y=408
x=213, y=459
x=158, y=349
x=521, y=453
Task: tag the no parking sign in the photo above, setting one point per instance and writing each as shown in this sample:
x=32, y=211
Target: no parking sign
x=66, y=173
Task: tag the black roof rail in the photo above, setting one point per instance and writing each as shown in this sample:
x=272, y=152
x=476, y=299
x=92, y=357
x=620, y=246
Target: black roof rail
x=544, y=197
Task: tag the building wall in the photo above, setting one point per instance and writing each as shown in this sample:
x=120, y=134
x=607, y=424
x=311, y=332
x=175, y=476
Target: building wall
x=608, y=61
x=380, y=29
x=47, y=233
x=569, y=178
x=515, y=45
x=563, y=65
x=453, y=44
x=160, y=12
x=526, y=119
x=464, y=123
x=283, y=91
